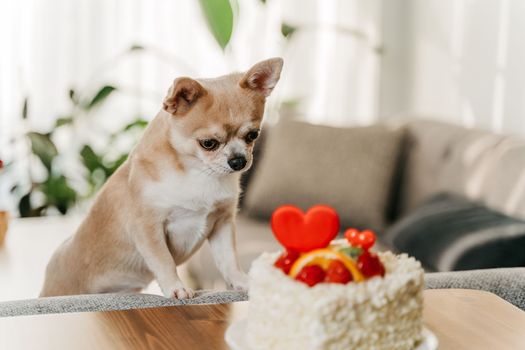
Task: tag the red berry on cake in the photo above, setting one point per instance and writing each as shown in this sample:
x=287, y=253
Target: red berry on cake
x=286, y=260
x=370, y=265
x=351, y=235
x=311, y=275
x=338, y=273
x=364, y=239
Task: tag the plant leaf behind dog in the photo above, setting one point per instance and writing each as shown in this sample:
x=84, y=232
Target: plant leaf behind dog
x=100, y=96
x=63, y=121
x=24, y=205
x=25, y=108
x=137, y=123
x=287, y=30
x=91, y=160
x=136, y=47
x=58, y=193
x=219, y=15
x=43, y=147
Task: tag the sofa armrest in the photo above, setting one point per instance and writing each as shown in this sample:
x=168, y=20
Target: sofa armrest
x=111, y=302
x=507, y=283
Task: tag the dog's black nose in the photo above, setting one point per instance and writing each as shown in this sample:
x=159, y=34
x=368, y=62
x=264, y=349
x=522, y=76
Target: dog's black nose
x=237, y=163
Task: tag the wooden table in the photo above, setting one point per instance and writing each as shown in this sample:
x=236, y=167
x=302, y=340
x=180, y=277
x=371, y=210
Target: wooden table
x=461, y=319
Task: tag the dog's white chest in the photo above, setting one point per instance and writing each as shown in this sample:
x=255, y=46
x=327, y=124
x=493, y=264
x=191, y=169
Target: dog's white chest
x=187, y=223
x=186, y=232
x=187, y=201
x=195, y=192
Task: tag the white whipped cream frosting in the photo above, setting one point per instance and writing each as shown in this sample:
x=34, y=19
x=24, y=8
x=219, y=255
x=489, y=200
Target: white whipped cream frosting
x=382, y=313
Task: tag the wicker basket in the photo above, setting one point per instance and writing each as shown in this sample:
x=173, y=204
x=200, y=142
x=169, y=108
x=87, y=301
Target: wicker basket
x=4, y=217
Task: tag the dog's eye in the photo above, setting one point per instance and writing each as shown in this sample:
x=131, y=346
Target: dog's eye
x=252, y=136
x=209, y=144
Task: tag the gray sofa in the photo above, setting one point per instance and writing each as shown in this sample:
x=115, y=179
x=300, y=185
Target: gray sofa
x=432, y=158
x=429, y=158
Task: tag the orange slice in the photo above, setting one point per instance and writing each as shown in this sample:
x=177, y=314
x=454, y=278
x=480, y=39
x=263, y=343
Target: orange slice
x=323, y=257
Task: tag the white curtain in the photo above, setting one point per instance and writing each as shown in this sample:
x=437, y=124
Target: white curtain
x=460, y=61
x=333, y=60
x=48, y=47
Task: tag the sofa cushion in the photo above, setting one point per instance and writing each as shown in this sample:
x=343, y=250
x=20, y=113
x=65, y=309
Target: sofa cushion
x=110, y=302
x=477, y=164
x=449, y=232
x=350, y=169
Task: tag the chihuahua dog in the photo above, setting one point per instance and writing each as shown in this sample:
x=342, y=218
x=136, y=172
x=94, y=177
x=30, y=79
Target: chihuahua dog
x=179, y=187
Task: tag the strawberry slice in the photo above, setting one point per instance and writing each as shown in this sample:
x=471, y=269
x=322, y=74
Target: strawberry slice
x=286, y=260
x=337, y=273
x=311, y=275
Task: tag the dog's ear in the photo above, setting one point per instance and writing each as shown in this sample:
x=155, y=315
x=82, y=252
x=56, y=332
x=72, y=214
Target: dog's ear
x=263, y=76
x=183, y=95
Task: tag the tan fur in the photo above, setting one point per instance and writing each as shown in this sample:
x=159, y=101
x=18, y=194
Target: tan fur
x=171, y=194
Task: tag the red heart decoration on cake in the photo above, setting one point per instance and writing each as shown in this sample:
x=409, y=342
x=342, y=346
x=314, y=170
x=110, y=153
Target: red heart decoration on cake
x=302, y=232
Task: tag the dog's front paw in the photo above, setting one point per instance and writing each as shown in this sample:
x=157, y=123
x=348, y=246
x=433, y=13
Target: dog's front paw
x=178, y=292
x=183, y=293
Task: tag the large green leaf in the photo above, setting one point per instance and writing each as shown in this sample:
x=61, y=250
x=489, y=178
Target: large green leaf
x=219, y=16
x=99, y=97
x=43, y=147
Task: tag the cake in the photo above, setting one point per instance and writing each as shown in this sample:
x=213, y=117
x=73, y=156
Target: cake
x=322, y=293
